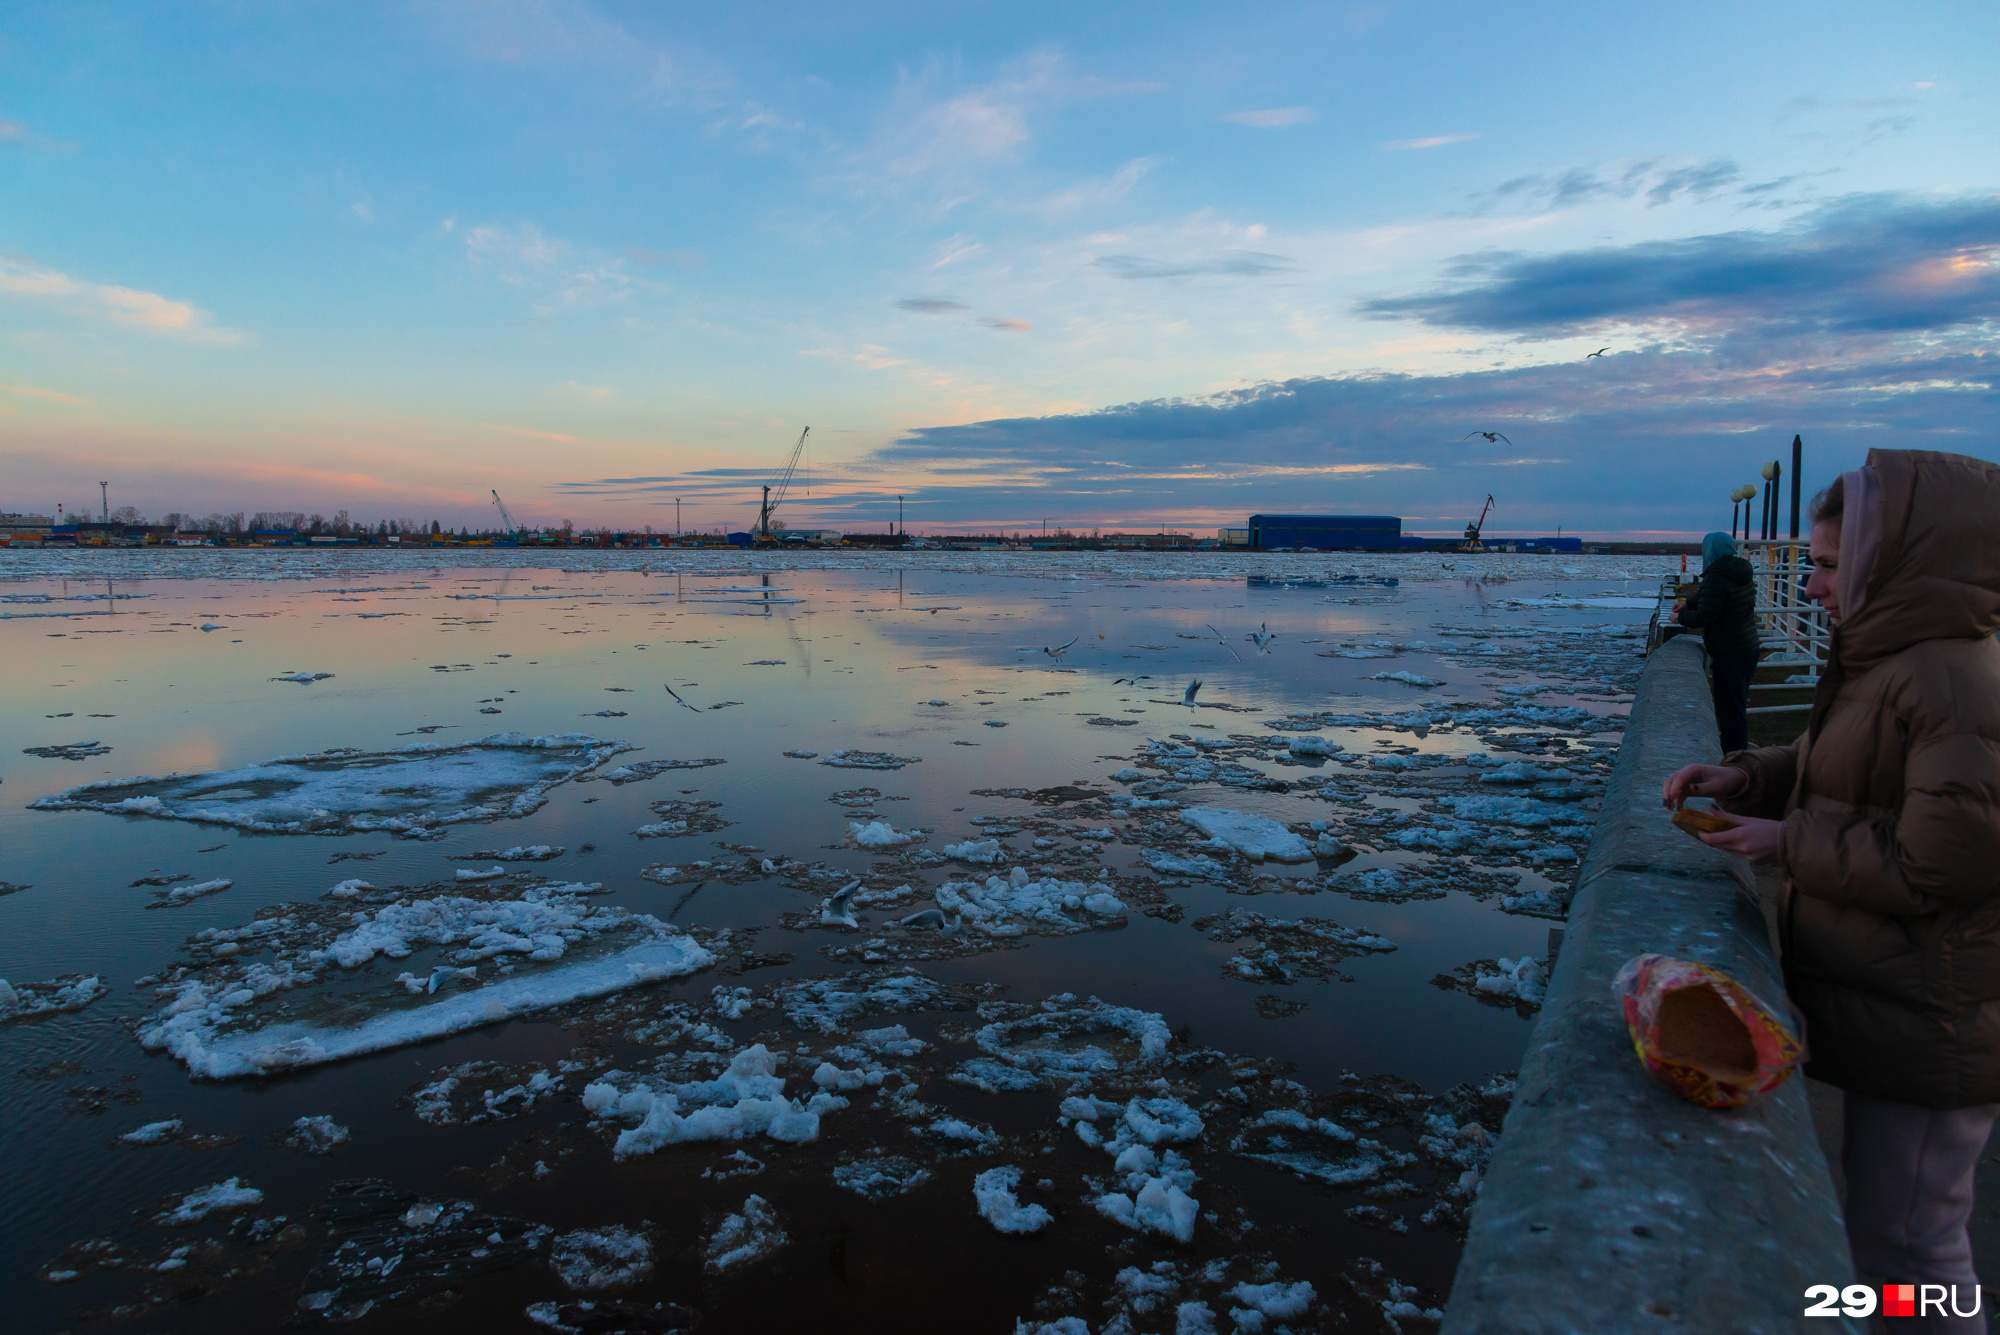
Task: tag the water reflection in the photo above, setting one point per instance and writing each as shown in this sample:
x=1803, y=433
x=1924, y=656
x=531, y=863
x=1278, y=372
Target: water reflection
x=184, y=677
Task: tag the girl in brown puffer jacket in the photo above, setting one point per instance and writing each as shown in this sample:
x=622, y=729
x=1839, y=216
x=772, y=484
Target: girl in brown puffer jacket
x=1887, y=835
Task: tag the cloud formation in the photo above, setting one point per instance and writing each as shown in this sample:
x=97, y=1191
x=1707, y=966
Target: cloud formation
x=1881, y=263
x=130, y=307
x=1435, y=141
x=1222, y=264
x=1273, y=118
x=932, y=305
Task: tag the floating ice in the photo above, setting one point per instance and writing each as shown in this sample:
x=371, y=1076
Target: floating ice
x=592, y=1260
x=845, y=759
x=1407, y=678
x=191, y=1027
x=743, y=1238
x=69, y=992
x=1255, y=837
x=979, y=852
x=1522, y=979
x=409, y=791
x=646, y=769
x=880, y=1177
x=228, y=1194
x=520, y=853
x=68, y=750
x=154, y=1133
x=181, y=894
x=1158, y=1207
x=315, y=1135
x=880, y=834
x=745, y=1100
x=1012, y=906
x=305, y=678
x=993, y=1191
x=472, y=874
x=1276, y=1301
x=1313, y=746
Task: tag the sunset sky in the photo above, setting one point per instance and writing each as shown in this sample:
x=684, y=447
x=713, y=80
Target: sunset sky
x=1109, y=265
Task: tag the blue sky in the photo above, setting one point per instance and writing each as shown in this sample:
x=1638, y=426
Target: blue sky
x=1112, y=265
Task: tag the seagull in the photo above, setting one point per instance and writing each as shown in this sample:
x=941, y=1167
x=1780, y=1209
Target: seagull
x=1263, y=636
x=839, y=909
x=677, y=700
x=1491, y=436
x=1599, y=353
x=445, y=975
x=924, y=918
x=1057, y=652
x=1187, y=696
x=1223, y=641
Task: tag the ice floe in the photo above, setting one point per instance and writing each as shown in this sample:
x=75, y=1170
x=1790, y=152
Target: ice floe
x=993, y=1194
x=594, y=1260
x=750, y=1235
x=228, y=1194
x=410, y=791
x=1255, y=837
x=69, y=992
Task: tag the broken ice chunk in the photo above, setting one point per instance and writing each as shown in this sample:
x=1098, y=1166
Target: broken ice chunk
x=1254, y=837
x=743, y=1238
x=993, y=1191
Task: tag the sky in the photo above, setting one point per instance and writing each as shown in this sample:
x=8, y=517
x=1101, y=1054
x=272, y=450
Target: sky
x=1111, y=266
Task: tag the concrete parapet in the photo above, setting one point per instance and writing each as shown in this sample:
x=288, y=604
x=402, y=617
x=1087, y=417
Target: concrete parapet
x=1612, y=1204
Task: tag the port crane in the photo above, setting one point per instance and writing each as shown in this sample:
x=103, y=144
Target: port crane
x=507, y=524
x=1472, y=543
x=783, y=485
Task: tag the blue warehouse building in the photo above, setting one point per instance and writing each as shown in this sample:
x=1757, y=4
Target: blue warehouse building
x=1327, y=532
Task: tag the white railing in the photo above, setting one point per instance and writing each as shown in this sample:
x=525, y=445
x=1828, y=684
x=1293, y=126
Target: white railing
x=1794, y=632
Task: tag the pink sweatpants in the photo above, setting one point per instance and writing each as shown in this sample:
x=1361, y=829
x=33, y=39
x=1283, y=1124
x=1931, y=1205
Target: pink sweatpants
x=1909, y=1194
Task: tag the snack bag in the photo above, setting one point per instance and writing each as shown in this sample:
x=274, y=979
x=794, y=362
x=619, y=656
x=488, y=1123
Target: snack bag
x=1701, y=1033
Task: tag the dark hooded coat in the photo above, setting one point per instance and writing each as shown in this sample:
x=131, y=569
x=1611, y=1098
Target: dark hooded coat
x=1890, y=861
x=1723, y=608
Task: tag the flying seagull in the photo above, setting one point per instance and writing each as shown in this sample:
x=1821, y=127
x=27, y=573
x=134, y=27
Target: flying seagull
x=677, y=700
x=1263, y=636
x=1491, y=436
x=1223, y=641
x=1187, y=696
x=1599, y=353
x=1057, y=652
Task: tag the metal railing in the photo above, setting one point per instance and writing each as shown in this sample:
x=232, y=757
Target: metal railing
x=1794, y=632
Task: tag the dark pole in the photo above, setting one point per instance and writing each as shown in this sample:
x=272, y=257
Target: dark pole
x=1733, y=508
x=1797, y=446
x=1777, y=484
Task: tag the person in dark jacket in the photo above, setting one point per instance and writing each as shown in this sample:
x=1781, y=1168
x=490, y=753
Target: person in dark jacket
x=1883, y=820
x=1724, y=610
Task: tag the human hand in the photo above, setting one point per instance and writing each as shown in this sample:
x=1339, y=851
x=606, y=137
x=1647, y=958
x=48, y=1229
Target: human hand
x=1753, y=839
x=1675, y=615
x=1702, y=781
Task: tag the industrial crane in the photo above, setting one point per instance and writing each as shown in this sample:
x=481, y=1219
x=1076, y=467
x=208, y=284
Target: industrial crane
x=506, y=520
x=1472, y=543
x=783, y=485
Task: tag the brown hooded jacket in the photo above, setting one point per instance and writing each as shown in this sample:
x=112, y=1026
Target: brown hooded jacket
x=1890, y=916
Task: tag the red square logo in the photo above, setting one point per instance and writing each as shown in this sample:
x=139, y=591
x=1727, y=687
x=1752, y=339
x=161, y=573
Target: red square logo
x=1899, y=1300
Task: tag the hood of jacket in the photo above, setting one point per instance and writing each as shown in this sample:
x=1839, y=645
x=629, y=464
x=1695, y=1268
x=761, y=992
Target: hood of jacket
x=1714, y=547
x=1934, y=569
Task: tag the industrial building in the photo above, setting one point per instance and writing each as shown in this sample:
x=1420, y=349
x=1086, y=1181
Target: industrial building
x=1326, y=533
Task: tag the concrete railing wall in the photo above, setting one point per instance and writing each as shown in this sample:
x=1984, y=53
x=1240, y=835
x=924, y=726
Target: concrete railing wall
x=1611, y=1203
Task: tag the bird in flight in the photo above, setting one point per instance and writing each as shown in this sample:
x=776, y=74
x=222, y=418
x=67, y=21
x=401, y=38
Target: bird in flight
x=677, y=700
x=1055, y=652
x=1187, y=696
x=1599, y=353
x=1263, y=636
x=1224, y=642
x=1491, y=436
